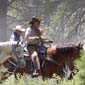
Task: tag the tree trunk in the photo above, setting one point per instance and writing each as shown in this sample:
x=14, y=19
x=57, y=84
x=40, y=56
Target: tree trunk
x=3, y=21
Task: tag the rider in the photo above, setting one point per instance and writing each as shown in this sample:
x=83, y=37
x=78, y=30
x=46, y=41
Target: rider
x=32, y=36
x=16, y=35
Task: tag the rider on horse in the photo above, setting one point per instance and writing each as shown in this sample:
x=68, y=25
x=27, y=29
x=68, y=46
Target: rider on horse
x=16, y=36
x=33, y=35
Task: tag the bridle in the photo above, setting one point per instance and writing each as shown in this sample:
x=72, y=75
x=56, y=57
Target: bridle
x=14, y=46
x=50, y=60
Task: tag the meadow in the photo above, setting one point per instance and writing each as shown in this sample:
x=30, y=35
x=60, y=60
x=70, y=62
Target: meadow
x=79, y=78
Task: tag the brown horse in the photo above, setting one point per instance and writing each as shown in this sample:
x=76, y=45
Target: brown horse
x=56, y=61
x=61, y=60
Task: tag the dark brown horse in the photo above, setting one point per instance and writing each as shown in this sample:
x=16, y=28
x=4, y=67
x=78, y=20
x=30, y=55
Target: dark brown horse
x=61, y=60
x=56, y=61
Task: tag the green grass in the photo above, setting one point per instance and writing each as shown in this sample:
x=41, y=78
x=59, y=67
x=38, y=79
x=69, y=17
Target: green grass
x=79, y=78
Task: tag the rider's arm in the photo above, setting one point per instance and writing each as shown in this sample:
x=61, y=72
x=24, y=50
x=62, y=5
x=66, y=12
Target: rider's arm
x=29, y=38
x=27, y=33
x=33, y=40
x=12, y=38
x=21, y=38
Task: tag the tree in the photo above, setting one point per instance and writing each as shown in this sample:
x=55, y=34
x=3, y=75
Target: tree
x=69, y=21
x=64, y=18
x=3, y=24
x=3, y=18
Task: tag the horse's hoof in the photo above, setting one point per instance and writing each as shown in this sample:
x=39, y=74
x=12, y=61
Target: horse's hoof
x=35, y=75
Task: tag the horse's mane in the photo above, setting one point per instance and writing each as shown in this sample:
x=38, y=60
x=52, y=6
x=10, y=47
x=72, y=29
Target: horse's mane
x=66, y=48
x=69, y=50
x=7, y=44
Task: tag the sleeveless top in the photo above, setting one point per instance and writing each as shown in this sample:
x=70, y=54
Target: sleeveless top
x=31, y=32
x=15, y=37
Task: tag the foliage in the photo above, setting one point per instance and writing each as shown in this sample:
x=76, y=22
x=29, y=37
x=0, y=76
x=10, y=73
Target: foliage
x=78, y=79
x=27, y=80
x=64, y=17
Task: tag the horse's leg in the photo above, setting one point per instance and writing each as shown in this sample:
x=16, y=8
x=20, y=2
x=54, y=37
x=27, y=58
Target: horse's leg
x=21, y=71
x=9, y=71
x=48, y=69
x=73, y=70
x=66, y=71
x=6, y=74
x=72, y=67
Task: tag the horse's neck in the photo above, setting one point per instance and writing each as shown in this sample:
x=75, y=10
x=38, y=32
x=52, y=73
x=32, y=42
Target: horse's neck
x=5, y=46
x=5, y=50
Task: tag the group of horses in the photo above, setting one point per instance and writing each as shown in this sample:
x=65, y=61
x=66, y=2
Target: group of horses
x=59, y=60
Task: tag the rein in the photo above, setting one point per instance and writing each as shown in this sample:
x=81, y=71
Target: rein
x=15, y=53
x=11, y=62
x=52, y=61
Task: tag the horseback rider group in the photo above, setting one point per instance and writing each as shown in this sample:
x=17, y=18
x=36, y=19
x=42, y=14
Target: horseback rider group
x=56, y=59
x=33, y=35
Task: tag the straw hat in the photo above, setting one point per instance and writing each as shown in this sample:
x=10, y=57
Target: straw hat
x=19, y=27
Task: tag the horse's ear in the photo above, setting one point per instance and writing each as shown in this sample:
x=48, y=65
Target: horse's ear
x=80, y=45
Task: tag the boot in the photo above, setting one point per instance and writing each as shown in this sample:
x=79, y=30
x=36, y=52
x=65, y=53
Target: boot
x=35, y=74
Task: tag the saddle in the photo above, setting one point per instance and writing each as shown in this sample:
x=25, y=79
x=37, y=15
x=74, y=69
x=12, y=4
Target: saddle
x=50, y=51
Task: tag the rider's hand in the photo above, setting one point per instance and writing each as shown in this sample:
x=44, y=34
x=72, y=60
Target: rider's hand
x=50, y=41
x=42, y=37
x=45, y=40
x=36, y=37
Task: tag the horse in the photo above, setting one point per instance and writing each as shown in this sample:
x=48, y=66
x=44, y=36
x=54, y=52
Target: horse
x=61, y=61
x=56, y=60
x=11, y=56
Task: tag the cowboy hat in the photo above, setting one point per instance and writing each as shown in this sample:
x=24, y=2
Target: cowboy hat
x=34, y=19
x=19, y=27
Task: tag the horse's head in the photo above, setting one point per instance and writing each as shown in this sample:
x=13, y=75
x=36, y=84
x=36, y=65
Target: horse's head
x=81, y=46
x=68, y=51
x=18, y=54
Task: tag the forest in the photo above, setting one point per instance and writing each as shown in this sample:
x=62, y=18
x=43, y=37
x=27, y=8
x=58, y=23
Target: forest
x=62, y=20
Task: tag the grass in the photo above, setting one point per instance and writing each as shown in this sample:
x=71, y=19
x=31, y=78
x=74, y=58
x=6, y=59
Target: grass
x=79, y=79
